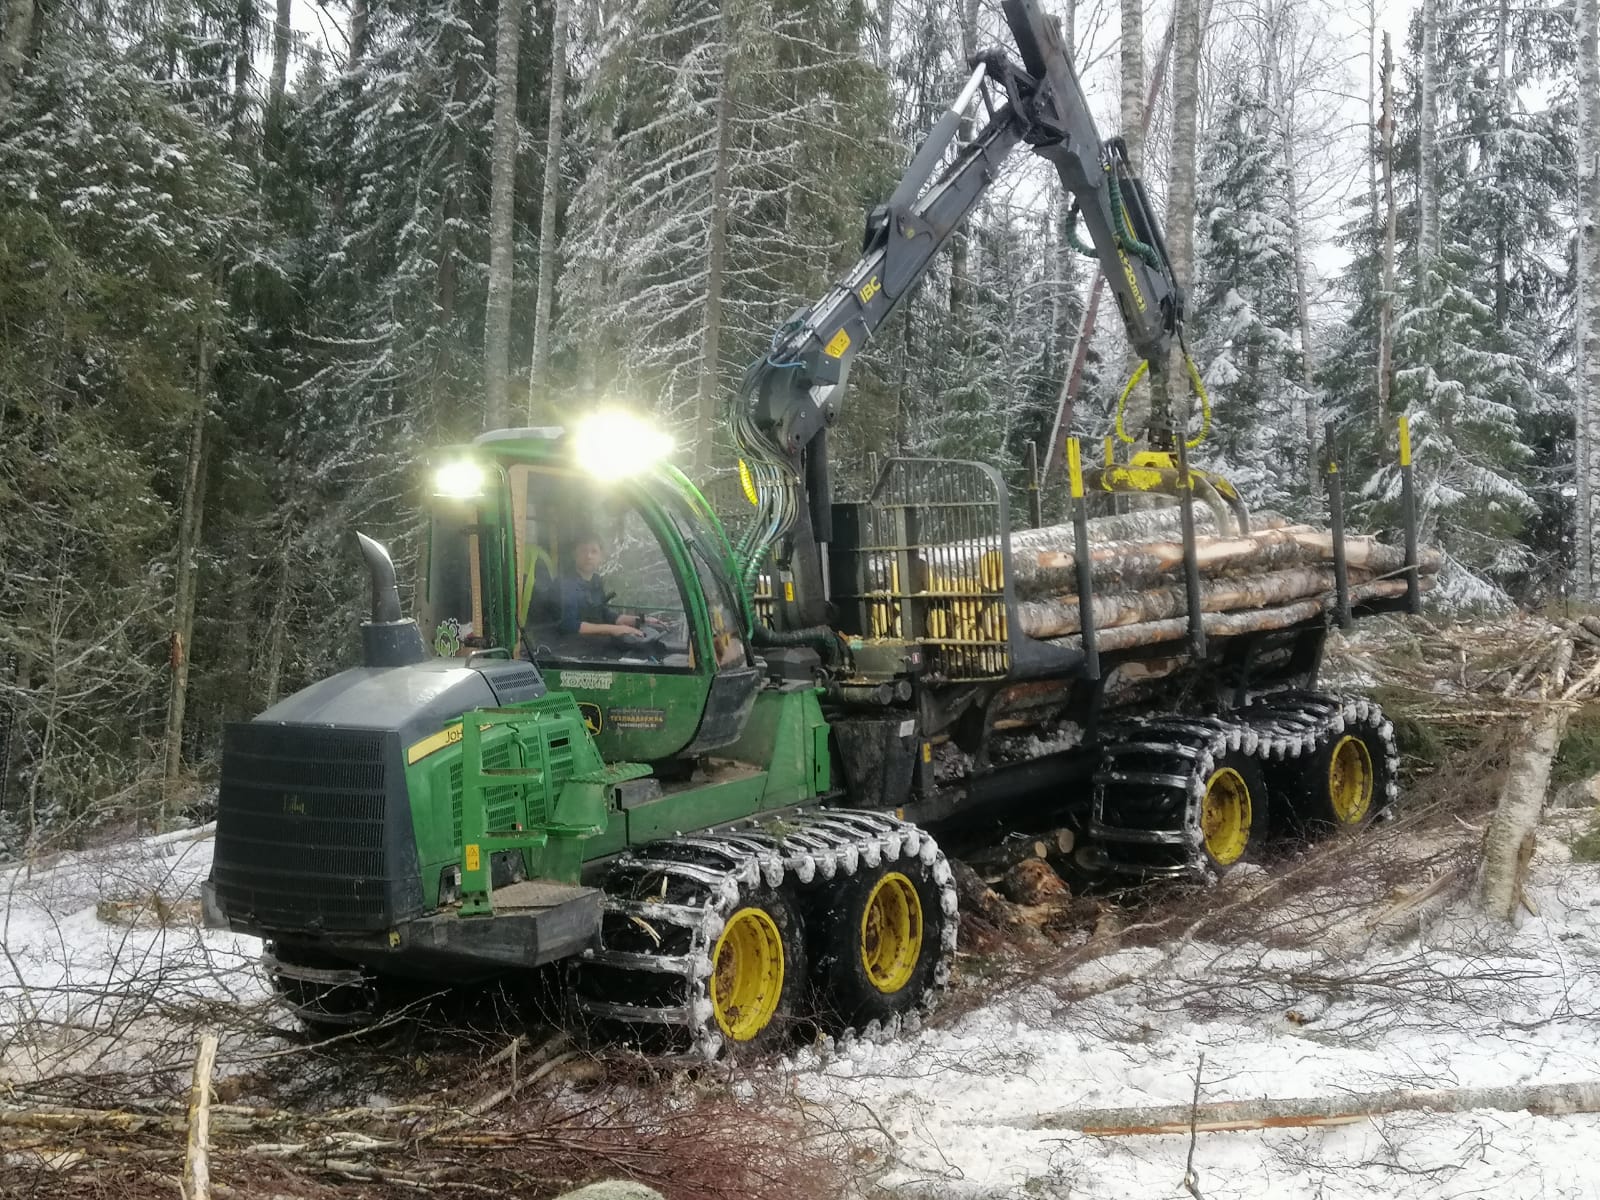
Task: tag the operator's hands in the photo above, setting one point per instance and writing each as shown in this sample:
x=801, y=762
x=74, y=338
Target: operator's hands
x=656, y=622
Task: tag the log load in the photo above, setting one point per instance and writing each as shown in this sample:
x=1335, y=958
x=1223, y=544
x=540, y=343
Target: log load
x=1277, y=575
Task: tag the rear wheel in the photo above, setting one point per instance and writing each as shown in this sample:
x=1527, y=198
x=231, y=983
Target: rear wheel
x=1333, y=760
x=1345, y=782
x=884, y=940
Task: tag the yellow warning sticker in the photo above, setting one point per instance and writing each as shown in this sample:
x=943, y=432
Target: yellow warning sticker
x=837, y=345
x=474, y=857
x=788, y=590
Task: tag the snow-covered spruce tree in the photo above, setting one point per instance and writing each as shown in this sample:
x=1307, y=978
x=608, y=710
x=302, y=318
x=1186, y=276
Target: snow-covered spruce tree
x=1242, y=331
x=1477, y=305
x=743, y=125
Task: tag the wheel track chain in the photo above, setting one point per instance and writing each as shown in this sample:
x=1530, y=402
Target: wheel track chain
x=1275, y=727
x=710, y=872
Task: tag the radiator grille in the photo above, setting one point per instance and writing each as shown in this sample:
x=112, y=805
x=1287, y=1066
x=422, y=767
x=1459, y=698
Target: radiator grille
x=304, y=837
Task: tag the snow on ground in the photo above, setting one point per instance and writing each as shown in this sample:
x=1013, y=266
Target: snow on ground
x=103, y=952
x=103, y=960
x=1465, y=1004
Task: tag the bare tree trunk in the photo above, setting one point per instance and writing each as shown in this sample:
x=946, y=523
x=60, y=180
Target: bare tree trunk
x=1588, y=298
x=1187, y=39
x=280, y=54
x=14, y=40
x=711, y=329
x=360, y=17
x=182, y=634
x=445, y=287
x=960, y=246
x=1372, y=113
x=1134, y=121
x=550, y=200
x=1283, y=107
x=502, y=197
x=1386, y=299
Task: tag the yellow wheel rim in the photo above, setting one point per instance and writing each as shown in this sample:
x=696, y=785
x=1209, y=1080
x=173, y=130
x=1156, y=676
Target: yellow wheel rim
x=1350, y=779
x=1225, y=816
x=891, y=933
x=747, y=974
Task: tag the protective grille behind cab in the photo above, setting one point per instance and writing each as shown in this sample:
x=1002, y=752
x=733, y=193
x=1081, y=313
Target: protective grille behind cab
x=302, y=828
x=926, y=558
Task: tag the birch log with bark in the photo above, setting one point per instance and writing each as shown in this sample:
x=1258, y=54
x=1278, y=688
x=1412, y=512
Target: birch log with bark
x=550, y=199
x=14, y=39
x=717, y=254
x=1541, y=1099
x=502, y=198
x=1509, y=840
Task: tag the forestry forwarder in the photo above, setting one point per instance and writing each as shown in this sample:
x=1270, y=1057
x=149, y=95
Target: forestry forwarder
x=636, y=776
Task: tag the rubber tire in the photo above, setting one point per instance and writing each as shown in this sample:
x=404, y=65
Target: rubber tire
x=1309, y=807
x=348, y=1008
x=1255, y=781
x=782, y=1025
x=845, y=997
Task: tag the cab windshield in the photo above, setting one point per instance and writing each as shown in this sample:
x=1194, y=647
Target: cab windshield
x=594, y=583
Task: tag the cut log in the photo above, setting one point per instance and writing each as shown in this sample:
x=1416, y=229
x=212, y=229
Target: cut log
x=1054, y=618
x=196, y=1160
x=1231, y=624
x=1546, y=1100
x=1033, y=881
x=1508, y=842
x=1048, y=566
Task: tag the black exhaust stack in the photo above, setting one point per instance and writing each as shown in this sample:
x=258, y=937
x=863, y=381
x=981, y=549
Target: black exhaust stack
x=387, y=640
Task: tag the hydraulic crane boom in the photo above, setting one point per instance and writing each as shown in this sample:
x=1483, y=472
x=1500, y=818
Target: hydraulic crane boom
x=792, y=393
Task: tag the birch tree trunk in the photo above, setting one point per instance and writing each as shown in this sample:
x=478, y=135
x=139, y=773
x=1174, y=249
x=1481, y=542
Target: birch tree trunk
x=14, y=39
x=1588, y=298
x=711, y=330
x=280, y=54
x=502, y=194
x=1428, y=147
x=539, y=369
x=1133, y=107
x=1386, y=299
x=1187, y=38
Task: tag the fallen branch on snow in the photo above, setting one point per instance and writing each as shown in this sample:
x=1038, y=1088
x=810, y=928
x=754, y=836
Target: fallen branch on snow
x=1541, y=1099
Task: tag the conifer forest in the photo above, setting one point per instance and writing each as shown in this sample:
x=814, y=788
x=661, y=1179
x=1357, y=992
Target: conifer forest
x=256, y=259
